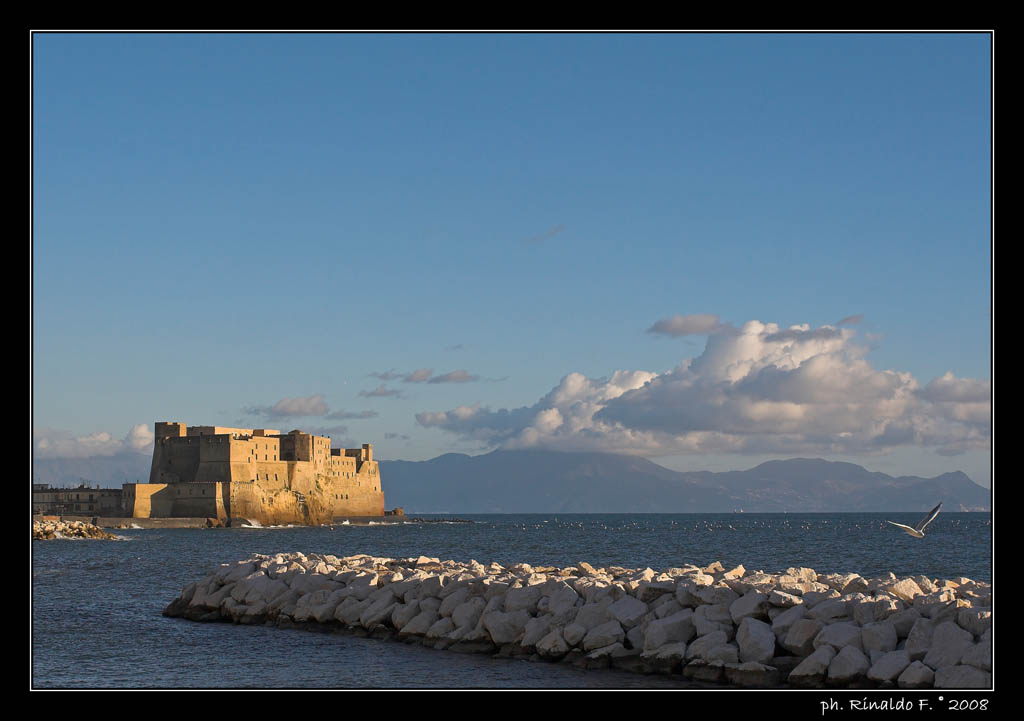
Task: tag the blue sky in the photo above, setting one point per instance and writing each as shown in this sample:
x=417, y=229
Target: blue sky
x=280, y=229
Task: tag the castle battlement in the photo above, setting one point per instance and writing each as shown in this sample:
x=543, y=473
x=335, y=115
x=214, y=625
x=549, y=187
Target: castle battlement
x=293, y=477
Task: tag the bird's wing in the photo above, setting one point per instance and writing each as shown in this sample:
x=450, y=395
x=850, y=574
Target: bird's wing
x=929, y=518
x=901, y=525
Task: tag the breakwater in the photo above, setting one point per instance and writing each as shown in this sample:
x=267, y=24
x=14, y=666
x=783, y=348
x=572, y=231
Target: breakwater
x=50, y=530
x=797, y=628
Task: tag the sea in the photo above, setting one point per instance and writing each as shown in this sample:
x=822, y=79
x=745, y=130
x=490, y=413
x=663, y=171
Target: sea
x=96, y=605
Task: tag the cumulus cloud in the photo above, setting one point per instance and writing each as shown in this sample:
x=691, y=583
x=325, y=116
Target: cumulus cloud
x=381, y=391
x=351, y=415
x=949, y=388
x=960, y=400
x=51, y=443
x=426, y=375
x=387, y=375
x=459, y=376
x=754, y=389
x=563, y=418
x=292, y=407
x=140, y=438
x=679, y=325
x=326, y=431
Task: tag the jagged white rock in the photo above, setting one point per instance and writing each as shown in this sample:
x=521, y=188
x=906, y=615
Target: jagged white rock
x=756, y=641
x=889, y=666
x=707, y=622
x=800, y=637
x=847, y=665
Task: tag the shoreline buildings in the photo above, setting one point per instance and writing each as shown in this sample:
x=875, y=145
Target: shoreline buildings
x=88, y=499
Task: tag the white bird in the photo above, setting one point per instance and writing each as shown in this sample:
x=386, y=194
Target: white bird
x=918, y=530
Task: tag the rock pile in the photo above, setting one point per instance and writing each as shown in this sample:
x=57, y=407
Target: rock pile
x=709, y=624
x=48, y=530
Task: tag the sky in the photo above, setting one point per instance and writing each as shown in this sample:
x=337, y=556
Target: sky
x=707, y=249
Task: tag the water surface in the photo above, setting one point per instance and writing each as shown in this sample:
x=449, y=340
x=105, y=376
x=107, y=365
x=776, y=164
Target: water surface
x=96, y=605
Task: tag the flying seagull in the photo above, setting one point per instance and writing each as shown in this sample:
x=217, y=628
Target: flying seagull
x=918, y=530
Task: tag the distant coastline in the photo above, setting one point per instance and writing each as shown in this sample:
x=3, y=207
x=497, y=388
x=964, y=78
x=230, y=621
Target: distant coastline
x=560, y=482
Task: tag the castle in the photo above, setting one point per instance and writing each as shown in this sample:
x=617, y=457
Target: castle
x=258, y=474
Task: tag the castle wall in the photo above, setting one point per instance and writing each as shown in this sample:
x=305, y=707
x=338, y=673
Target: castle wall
x=198, y=500
x=169, y=500
x=214, y=471
x=174, y=460
x=359, y=495
x=304, y=478
x=225, y=430
x=260, y=448
x=321, y=452
x=140, y=503
x=277, y=473
x=162, y=429
x=246, y=501
x=297, y=446
x=342, y=463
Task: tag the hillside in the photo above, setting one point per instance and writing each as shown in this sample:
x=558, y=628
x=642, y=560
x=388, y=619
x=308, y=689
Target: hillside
x=552, y=482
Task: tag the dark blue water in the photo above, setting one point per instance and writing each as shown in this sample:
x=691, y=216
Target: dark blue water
x=96, y=605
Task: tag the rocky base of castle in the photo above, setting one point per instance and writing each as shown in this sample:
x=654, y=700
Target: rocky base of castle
x=707, y=624
x=49, y=530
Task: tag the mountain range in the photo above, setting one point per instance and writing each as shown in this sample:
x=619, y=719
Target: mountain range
x=558, y=482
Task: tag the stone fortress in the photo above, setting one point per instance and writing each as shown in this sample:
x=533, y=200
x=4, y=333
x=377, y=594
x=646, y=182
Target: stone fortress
x=258, y=474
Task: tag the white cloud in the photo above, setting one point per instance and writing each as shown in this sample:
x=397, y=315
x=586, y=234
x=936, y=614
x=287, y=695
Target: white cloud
x=696, y=324
x=381, y=391
x=459, y=376
x=351, y=415
x=140, y=438
x=563, y=418
x=949, y=388
x=426, y=375
x=292, y=407
x=327, y=431
x=754, y=389
x=420, y=375
x=52, y=443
